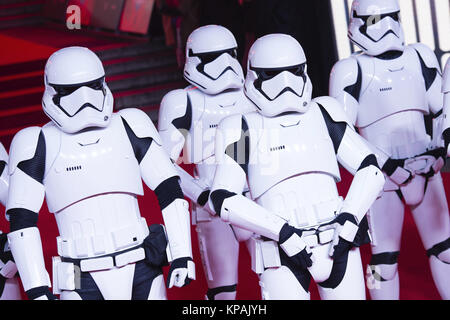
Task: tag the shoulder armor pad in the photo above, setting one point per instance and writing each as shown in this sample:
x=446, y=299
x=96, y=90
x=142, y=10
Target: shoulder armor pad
x=228, y=132
x=427, y=55
x=446, y=79
x=230, y=129
x=333, y=108
x=173, y=106
x=344, y=73
x=140, y=123
x=3, y=153
x=23, y=146
x=255, y=123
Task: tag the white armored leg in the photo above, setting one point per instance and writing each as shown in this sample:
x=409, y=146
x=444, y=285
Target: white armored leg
x=115, y=283
x=281, y=284
x=441, y=274
x=158, y=289
x=432, y=220
x=352, y=285
x=219, y=251
x=69, y=295
x=11, y=290
x=386, y=220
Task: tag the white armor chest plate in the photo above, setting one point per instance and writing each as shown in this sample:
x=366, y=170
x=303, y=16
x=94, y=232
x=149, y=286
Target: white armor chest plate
x=207, y=112
x=287, y=146
x=89, y=163
x=390, y=86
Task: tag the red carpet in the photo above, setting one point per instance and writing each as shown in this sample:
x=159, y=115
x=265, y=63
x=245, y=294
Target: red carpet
x=22, y=59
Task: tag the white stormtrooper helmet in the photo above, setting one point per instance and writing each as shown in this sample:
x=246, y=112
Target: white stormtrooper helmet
x=76, y=95
x=277, y=80
x=375, y=26
x=211, y=60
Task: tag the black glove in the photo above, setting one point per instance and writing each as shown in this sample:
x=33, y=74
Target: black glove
x=362, y=236
x=181, y=272
x=394, y=169
x=296, y=249
x=446, y=137
x=440, y=154
x=40, y=292
x=345, y=234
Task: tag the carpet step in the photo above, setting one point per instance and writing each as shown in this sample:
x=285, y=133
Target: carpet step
x=20, y=21
x=149, y=66
x=9, y=2
x=144, y=97
x=21, y=8
x=154, y=45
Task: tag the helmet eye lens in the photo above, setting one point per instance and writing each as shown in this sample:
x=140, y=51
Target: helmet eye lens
x=375, y=18
x=211, y=56
x=266, y=74
x=298, y=70
x=395, y=16
x=65, y=90
x=233, y=53
x=97, y=84
x=207, y=58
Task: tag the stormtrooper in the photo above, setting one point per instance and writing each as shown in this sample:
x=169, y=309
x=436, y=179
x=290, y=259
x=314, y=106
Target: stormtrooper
x=446, y=109
x=88, y=163
x=288, y=151
x=386, y=91
x=9, y=284
x=187, y=123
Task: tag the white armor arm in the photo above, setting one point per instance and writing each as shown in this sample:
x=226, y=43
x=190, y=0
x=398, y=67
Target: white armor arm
x=354, y=155
x=26, y=195
x=192, y=188
x=446, y=78
x=174, y=124
x=432, y=75
x=345, y=86
x=4, y=177
x=174, y=121
x=159, y=174
x=368, y=181
x=229, y=181
x=446, y=109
